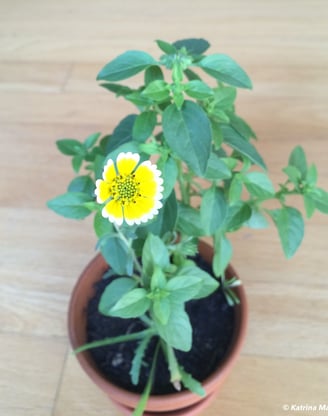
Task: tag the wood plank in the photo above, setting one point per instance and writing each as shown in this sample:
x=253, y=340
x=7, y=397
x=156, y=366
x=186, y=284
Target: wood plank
x=259, y=386
x=30, y=371
x=84, y=398
x=50, y=53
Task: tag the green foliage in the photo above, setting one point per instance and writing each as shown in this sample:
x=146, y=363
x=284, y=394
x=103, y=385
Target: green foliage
x=193, y=46
x=83, y=184
x=182, y=130
x=290, y=225
x=114, y=292
x=238, y=143
x=125, y=66
x=222, y=253
x=117, y=253
x=225, y=69
x=144, y=125
x=214, y=182
x=190, y=383
x=71, y=205
x=259, y=184
x=213, y=210
x=137, y=359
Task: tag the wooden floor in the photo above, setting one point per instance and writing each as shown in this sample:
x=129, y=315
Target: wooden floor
x=50, y=53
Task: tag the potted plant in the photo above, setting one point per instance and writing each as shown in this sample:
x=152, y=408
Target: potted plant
x=183, y=168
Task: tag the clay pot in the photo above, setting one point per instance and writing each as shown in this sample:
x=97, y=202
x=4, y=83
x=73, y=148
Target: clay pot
x=185, y=402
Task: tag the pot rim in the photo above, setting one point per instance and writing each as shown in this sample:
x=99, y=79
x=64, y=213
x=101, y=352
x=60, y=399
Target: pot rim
x=166, y=402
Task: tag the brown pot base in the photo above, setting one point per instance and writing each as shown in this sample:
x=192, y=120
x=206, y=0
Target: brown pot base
x=193, y=410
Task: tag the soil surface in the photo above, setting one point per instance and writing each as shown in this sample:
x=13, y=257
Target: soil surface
x=212, y=321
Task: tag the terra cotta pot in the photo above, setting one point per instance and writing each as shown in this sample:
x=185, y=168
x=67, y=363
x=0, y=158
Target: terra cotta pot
x=185, y=402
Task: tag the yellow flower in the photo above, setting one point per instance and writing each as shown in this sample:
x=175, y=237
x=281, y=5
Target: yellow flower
x=131, y=191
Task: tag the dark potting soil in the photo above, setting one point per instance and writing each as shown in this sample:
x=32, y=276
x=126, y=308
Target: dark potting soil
x=212, y=321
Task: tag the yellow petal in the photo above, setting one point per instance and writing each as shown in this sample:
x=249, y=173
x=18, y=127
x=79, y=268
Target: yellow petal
x=109, y=171
x=126, y=162
x=144, y=173
x=137, y=210
x=113, y=211
x=148, y=189
x=102, y=191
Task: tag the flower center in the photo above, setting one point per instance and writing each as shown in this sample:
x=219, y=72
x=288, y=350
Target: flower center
x=125, y=188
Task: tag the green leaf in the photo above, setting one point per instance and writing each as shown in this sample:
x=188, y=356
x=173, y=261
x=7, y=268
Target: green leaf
x=77, y=163
x=98, y=166
x=71, y=205
x=137, y=359
x=190, y=383
x=259, y=184
x=312, y=175
x=213, y=210
x=309, y=206
x=194, y=46
x=257, y=220
x=157, y=90
x=117, y=89
x=297, y=159
x=166, y=47
x=216, y=169
x=224, y=97
x=117, y=254
x=158, y=279
x=153, y=73
x=208, y=286
x=178, y=331
x=191, y=75
x=114, y=292
x=70, y=147
x=131, y=305
x=82, y=184
x=91, y=140
x=198, y=89
x=155, y=253
x=225, y=69
x=188, y=133
x=184, y=287
x=290, y=225
x=102, y=226
x=237, y=142
x=238, y=215
x=320, y=198
x=189, y=221
x=241, y=126
x=235, y=189
x=169, y=171
x=222, y=253
x=139, y=100
x=294, y=175
x=144, y=125
x=122, y=133
x=125, y=66
x=162, y=310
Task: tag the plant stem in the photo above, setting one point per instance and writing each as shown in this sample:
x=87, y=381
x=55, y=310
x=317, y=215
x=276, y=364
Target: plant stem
x=115, y=340
x=128, y=243
x=139, y=410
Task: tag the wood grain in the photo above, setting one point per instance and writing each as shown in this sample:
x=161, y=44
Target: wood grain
x=50, y=53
